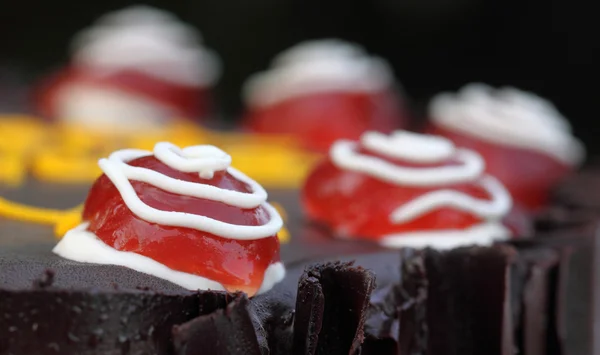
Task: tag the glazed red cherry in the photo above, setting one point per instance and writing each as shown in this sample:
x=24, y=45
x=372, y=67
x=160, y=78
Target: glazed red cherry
x=229, y=236
x=524, y=140
x=133, y=66
x=321, y=91
x=407, y=190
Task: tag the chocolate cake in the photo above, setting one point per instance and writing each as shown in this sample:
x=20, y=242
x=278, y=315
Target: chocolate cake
x=418, y=302
x=103, y=288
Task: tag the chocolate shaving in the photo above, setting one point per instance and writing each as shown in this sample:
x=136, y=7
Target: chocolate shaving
x=331, y=309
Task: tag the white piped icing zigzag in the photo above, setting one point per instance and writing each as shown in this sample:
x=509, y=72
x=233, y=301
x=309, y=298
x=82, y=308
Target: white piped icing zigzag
x=508, y=116
x=318, y=66
x=204, y=160
x=427, y=150
x=84, y=246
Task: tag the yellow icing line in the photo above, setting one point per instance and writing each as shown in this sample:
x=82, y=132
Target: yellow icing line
x=284, y=234
x=12, y=170
x=69, y=154
x=62, y=220
x=67, y=221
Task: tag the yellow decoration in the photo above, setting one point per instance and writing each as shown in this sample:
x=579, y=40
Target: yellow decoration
x=21, y=134
x=67, y=221
x=69, y=153
x=12, y=170
x=62, y=220
x=284, y=234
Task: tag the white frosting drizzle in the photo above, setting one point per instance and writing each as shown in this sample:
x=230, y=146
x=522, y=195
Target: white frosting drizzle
x=149, y=40
x=508, y=116
x=409, y=146
x=317, y=50
x=202, y=159
x=83, y=246
x=429, y=149
x=483, y=234
x=314, y=67
x=343, y=154
x=498, y=206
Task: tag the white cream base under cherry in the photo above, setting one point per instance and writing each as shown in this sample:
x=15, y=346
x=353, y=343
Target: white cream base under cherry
x=484, y=234
x=83, y=246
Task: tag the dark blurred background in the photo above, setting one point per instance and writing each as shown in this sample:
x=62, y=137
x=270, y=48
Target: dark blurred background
x=549, y=47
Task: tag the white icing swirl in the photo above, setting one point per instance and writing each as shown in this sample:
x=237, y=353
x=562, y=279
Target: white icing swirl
x=426, y=149
x=81, y=245
x=400, y=144
x=204, y=160
x=508, y=116
x=314, y=67
x=498, y=206
x=149, y=40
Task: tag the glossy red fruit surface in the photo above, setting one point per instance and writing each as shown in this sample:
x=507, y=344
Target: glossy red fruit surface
x=528, y=175
x=319, y=119
x=236, y=264
x=355, y=204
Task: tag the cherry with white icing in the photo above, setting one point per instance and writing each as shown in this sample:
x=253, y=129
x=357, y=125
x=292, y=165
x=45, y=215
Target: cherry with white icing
x=321, y=91
x=408, y=190
x=184, y=215
x=133, y=67
x=526, y=142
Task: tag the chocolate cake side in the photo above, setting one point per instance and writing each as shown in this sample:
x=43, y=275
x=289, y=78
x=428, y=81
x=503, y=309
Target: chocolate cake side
x=573, y=221
x=46, y=321
x=224, y=331
x=331, y=309
x=535, y=278
x=468, y=301
x=396, y=320
x=70, y=307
